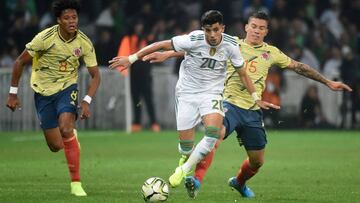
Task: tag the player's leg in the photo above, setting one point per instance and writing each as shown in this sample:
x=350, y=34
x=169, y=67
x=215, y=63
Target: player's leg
x=135, y=90
x=231, y=121
x=253, y=137
x=187, y=117
x=212, y=123
x=67, y=110
x=185, y=147
x=53, y=139
x=148, y=97
x=46, y=111
x=72, y=151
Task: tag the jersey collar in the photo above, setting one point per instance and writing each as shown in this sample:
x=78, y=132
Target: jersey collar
x=256, y=46
x=64, y=40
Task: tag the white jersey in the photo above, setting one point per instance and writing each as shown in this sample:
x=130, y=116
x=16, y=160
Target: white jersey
x=204, y=67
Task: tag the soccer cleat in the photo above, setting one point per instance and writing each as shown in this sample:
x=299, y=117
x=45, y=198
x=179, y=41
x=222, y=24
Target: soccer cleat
x=183, y=159
x=176, y=178
x=243, y=190
x=77, y=190
x=192, y=186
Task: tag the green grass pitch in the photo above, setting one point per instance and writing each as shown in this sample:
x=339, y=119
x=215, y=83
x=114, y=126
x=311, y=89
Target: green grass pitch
x=300, y=166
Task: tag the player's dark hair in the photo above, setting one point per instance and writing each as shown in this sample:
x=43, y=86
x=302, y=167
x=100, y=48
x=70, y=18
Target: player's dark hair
x=60, y=5
x=211, y=17
x=260, y=15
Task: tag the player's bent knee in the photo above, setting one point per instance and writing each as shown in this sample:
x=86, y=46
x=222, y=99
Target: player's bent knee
x=66, y=131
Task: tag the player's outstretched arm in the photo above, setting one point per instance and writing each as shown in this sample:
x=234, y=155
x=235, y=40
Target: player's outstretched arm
x=307, y=71
x=12, y=100
x=246, y=80
x=126, y=61
x=158, y=57
x=94, y=84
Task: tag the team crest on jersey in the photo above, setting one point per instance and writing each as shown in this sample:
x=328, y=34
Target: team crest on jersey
x=212, y=51
x=77, y=52
x=265, y=56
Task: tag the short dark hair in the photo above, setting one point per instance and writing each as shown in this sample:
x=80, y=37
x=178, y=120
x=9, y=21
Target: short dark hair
x=260, y=15
x=60, y=5
x=211, y=17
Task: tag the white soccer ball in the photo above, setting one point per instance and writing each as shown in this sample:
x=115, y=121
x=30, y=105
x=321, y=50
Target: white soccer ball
x=155, y=189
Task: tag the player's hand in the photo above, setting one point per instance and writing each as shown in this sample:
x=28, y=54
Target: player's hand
x=120, y=61
x=13, y=102
x=84, y=110
x=336, y=86
x=156, y=57
x=266, y=105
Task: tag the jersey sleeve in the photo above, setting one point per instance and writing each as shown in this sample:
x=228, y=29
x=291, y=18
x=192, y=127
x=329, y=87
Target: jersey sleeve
x=236, y=58
x=36, y=45
x=281, y=59
x=182, y=43
x=89, y=55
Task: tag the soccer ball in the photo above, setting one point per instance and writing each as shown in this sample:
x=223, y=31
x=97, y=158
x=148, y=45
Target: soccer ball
x=155, y=189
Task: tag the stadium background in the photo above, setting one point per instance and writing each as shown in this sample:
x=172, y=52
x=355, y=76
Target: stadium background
x=324, y=34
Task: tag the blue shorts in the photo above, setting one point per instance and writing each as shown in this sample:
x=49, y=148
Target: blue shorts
x=248, y=125
x=50, y=107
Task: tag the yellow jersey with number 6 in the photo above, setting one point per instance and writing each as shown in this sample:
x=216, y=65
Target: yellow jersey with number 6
x=56, y=61
x=258, y=60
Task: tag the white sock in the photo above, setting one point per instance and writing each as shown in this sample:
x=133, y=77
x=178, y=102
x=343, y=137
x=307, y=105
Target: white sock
x=201, y=150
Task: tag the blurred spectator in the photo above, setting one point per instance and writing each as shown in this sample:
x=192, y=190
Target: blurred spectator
x=311, y=114
x=330, y=18
x=140, y=77
x=332, y=65
x=112, y=17
x=304, y=55
x=350, y=74
x=279, y=10
x=254, y=6
x=105, y=47
x=8, y=56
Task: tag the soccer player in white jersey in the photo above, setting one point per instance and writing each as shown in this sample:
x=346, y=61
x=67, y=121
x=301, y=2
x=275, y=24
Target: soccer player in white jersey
x=200, y=85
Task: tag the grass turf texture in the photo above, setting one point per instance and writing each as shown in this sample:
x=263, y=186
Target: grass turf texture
x=300, y=166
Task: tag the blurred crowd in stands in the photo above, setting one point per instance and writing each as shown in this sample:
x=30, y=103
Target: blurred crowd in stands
x=322, y=33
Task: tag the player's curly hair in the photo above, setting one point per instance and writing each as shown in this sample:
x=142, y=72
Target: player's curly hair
x=59, y=5
x=211, y=17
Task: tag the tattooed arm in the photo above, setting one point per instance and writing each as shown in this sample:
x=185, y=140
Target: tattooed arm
x=307, y=71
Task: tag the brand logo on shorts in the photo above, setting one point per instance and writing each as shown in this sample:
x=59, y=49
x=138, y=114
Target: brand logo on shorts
x=225, y=109
x=72, y=103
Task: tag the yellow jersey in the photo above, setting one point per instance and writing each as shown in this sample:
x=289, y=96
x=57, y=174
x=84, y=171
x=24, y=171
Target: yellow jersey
x=55, y=61
x=258, y=60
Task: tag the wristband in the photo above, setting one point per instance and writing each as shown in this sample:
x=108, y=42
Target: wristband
x=88, y=99
x=133, y=58
x=255, y=96
x=13, y=90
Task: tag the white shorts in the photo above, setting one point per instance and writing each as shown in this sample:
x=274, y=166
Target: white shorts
x=190, y=108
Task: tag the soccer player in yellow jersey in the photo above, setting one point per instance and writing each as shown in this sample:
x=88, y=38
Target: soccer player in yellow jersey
x=55, y=53
x=241, y=113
